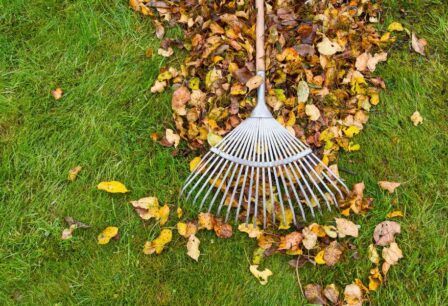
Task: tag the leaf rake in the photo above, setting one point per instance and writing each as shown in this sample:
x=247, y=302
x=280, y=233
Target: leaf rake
x=261, y=167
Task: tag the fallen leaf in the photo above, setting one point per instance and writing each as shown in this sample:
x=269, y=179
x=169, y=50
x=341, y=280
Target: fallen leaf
x=206, y=221
x=331, y=231
x=158, y=244
x=73, y=173
x=331, y=292
x=180, y=98
x=179, y=212
x=165, y=52
x=416, y=118
x=319, y=258
x=285, y=219
x=57, y=93
x=290, y=242
x=193, y=247
x=160, y=30
x=353, y=295
x=303, y=92
x=328, y=48
x=213, y=139
x=194, y=162
x=418, y=44
x=313, y=294
x=186, y=229
x=392, y=254
x=147, y=207
x=394, y=214
x=375, y=279
x=112, y=187
x=254, y=82
x=252, y=230
x=67, y=232
x=164, y=213
x=309, y=238
x=395, y=26
x=262, y=276
x=385, y=232
x=172, y=138
x=373, y=254
x=346, y=228
x=107, y=234
x=312, y=112
x=389, y=186
x=158, y=87
x=332, y=253
x=222, y=230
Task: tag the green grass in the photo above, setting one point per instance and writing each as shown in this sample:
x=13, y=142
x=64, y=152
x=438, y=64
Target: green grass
x=94, y=50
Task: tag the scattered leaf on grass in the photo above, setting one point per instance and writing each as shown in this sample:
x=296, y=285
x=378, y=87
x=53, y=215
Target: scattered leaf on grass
x=309, y=238
x=186, y=229
x=158, y=244
x=147, y=207
x=57, y=93
x=67, y=232
x=290, y=241
x=262, y=276
x=73, y=173
x=416, y=118
x=353, y=295
x=373, y=254
x=392, y=254
x=332, y=253
x=165, y=52
x=112, y=187
x=164, y=213
x=375, y=279
x=251, y=230
x=106, y=235
x=395, y=214
x=193, y=247
x=395, y=26
x=179, y=212
x=346, y=228
x=389, y=186
x=418, y=44
x=206, y=221
x=319, y=258
x=331, y=292
x=158, y=87
x=385, y=232
x=222, y=230
x=313, y=294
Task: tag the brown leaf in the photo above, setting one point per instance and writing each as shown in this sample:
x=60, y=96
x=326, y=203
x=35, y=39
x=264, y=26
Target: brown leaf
x=291, y=241
x=193, y=247
x=331, y=292
x=313, y=294
x=206, y=221
x=385, y=232
x=254, y=82
x=180, y=98
x=332, y=253
x=418, y=44
x=392, y=254
x=160, y=30
x=222, y=230
x=57, y=93
x=353, y=295
x=389, y=186
x=346, y=228
x=73, y=173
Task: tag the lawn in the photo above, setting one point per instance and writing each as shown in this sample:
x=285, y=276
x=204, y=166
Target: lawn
x=95, y=51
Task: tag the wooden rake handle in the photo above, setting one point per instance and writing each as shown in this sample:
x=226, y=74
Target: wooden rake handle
x=259, y=55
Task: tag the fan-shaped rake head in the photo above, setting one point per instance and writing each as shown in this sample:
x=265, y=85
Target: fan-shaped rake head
x=260, y=172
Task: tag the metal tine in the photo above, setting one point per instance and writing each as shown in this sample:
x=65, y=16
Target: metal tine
x=252, y=169
x=208, y=169
x=277, y=132
x=291, y=181
x=244, y=154
x=191, y=178
x=239, y=149
x=231, y=151
x=252, y=146
x=315, y=184
x=314, y=159
x=199, y=167
x=282, y=207
x=263, y=159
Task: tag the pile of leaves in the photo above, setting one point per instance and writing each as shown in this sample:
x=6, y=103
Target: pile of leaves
x=320, y=59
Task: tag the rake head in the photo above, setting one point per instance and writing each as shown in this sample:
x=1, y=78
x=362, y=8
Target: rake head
x=260, y=172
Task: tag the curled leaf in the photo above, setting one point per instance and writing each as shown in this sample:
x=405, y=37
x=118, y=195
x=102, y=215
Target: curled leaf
x=158, y=244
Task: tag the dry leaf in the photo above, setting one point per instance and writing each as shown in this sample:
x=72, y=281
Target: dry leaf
x=158, y=87
x=179, y=212
x=112, y=187
x=206, y=221
x=303, y=92
x=193, y=247
x=57, y=93
x=392, y=254
x=213, y=139
x=186, y=229
x=375, y=279
x=262, y=276
x=312, y=112
x=222, y=230
x=353, y=295
x=332, y=253
x=194, y=162
x=73, y=173
x=313, y=294
x=395, y=26
x=73, y=224
x=394, y=214
x=106, y=235
x=418, y=44
x=158, y=244
x=309, y=238
x=389, y=186
x=165, y=53
x=319, y=258
x=160, y=30
x=385, y=232
x=254, y=82
x=290, y=242
x=180, y=98
x=416, y=118
x=373, y=254
x=172, y=138
x=147, y=207
x=327, y=47
x=67, y=232
x=251, y=230
x=331, y=292
x=164, y=213
x=346, y=228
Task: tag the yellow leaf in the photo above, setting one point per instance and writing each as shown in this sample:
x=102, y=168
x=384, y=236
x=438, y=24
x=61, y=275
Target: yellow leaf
x=416, y=118
x=262, y=276
x=285, y=223
x=193, y=247
x=385, y=37
x=73, y=173
x=158, y=244
x=312, y=112
x=318, y=230
x=375, y=279
x=147, y=208
x=351, y=131
x=179, y=212
x=206, y=221
x=193, y=83
x=254, y=82
x=213, y=139
x=395, y=26
x=251, y=230
x=374, y=98
x=294, y=253
x=353, y=147
x=396, y=213
x=346, y=212
x=373, y=254
x=164, y=213
x=112, y=187
x=291, y=119
x=194, y=162
x=108, y=233
x=358, y=85
x=319, y=259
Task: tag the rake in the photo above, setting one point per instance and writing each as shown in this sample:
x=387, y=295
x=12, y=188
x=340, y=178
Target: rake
x=262, y=168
